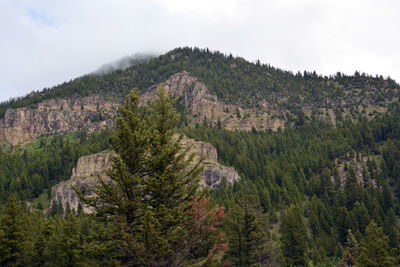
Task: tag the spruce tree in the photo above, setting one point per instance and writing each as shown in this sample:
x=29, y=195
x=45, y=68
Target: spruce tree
x=151, y=193
x=294, y=237
x=374, y=248
x=351, y=250
x=248, y=234
x=13, y=225
x=353, y=189
x=361, y=214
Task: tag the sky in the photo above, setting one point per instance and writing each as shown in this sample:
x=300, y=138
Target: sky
x=47, y=42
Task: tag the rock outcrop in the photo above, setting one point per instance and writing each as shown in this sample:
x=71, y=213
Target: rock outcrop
x=359, y=164
x=56, y=116
x=86, y=173
x=94, y=113
x=90, y=168
x=199, y=104
x=213, y=171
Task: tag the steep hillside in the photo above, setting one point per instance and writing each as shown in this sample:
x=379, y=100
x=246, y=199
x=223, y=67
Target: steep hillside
x=318, y=158
x=235, y=81
x=211, y=88
x=197, y=104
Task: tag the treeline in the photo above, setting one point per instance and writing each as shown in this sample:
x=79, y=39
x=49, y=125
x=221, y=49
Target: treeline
x=233, y=79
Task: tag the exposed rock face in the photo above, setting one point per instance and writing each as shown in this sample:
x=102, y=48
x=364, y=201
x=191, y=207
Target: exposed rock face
x=90, y=168
x=213, y=170
x=86, y=173
x=199, y=104
x=94, y=113
x=56, y=116
x=359, y=165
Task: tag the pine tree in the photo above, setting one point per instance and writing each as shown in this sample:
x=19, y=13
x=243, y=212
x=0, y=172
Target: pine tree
x=352, y=189
x=294, y=237
x=374, y=248
x=320, y=220
x=361, y=214
x=152, y=190
x=13, y=225
x=392, y=229
x=343, y=224
x=219, y=124
x=351, y=251
x=248, y=234
x=265, y=200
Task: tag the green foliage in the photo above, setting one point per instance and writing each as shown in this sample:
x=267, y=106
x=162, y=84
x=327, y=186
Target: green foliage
x=352, y=250
x=305, y=179
x=233, y=79
x=294, y=237
x=32, y=239
x=374, y=249
x=29, y=170
x=300, y=166
x=294, y=170
x=247, y=230
x=151, y=194
x=13, y=233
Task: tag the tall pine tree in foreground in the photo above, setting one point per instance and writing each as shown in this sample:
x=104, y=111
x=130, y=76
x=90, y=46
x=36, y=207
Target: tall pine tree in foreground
x=152, y=193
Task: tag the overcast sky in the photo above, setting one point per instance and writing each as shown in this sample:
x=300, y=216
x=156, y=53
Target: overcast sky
x=46, y=42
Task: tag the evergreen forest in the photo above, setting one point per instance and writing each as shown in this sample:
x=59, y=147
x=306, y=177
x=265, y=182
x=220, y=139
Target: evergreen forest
x=313, y=194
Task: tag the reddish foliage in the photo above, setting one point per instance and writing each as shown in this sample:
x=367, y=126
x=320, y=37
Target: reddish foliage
x=205, y=222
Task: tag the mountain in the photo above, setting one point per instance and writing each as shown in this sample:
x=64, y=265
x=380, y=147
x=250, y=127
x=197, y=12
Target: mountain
x=222, y=90
x=234, y=81
x=301, y=162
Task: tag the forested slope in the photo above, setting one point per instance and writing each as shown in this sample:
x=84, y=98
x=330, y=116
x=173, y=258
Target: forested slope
x=342, y=179
x=322, y=191
x=232, y=79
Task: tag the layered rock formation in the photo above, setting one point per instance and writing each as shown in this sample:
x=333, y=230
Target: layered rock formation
x=56, y=116
x=90, y=168
x=213, y=171
x=199, y=104
x=86, y=173
x=94, y=113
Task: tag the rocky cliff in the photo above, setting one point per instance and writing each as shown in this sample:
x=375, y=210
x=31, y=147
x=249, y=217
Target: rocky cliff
x=213, y=171
x=56, y=116
x=86, y=173
x=359, y=164
x=90, y=168
x=94, y=113
x=199, y=105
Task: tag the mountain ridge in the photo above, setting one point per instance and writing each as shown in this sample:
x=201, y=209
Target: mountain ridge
x=233, y=79
x=269, y=98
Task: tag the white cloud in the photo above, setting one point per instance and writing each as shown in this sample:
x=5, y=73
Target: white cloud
x=46, y=42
